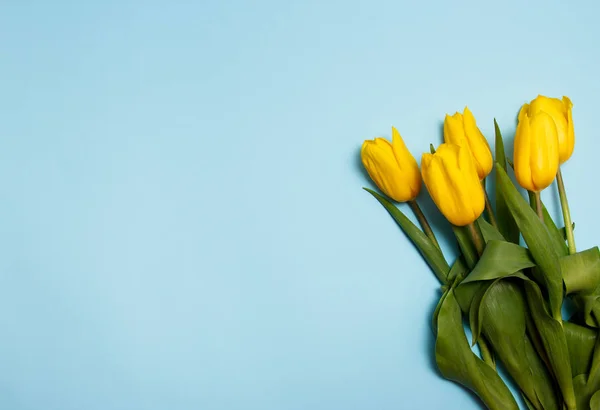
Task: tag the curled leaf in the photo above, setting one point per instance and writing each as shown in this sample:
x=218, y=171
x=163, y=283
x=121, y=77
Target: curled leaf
x=500, y=259
x=581, y=271
x=457, y=362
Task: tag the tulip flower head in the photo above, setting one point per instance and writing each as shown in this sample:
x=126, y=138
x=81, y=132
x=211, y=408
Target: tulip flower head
x=461, y=129
x=451, y=178
x=392, y=167
x=536, y=151
x=560, y=111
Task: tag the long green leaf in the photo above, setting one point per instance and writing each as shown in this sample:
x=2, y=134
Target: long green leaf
x=436, y=312
x=538, y=240
x=527, y=402
x=457, y=362
x=557, y=237
x=554, y=341
x=506, y=222
x=500, y=259
x=475, y=312
x=432, y=255
x=581, y=271
x=503, y=313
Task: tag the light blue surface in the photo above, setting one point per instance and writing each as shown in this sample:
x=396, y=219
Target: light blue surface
x=182, y=224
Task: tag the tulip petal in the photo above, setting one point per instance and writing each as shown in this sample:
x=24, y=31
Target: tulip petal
x=453, y=183
x=570, y=139
x=549, y=105
x=411, y=175
x=523, y=111
x=454, y=130
x=379, y=160
x=544, y=153
x=522, y=152
x=480, y=149
x=558, y=110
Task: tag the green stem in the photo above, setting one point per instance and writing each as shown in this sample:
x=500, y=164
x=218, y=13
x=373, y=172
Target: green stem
x=566, y=212
x=424, y=223
x=488, y=207
x=538, y=205
x=476, y=237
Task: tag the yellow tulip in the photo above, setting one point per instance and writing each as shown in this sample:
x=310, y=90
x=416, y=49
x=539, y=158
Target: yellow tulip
x=461, y=129
x=392, y=167
x=560, y=111
x=451, y=178
x=536, y=152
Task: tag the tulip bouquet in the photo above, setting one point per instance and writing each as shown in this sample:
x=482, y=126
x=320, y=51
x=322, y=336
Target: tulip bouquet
x=515, y=267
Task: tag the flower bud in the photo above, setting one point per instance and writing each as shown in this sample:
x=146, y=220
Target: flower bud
x=560, y=111
x=461, y=129
x=536, y=152
x=392, y=167
x=452, y=181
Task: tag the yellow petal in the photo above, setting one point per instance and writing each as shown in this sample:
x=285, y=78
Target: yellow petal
x=454, y=130
x=522, y=152
x=552, y=106
x=544, y=150
x=524, y=111
x=409, y=169
x=453, y=183
x=567, y=150
x=478, y=145
x=379, y=159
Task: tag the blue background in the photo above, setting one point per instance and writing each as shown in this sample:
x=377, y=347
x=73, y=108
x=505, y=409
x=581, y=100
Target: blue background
x=182, y=224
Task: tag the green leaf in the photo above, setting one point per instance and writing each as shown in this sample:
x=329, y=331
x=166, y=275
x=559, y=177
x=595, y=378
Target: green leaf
x=457, y=362
x=432, y=255
x=588, y=308
x=595, y=366
x=500, y=259
x=527, y=402
x=538, y=240
x=457, y=272
x=558, y=241
x=554, y=341
x=503, y=314
x=581, y=271
x=463, y=294
x=489, y=232
x=506, y=222
x=580, y=341
x=436, y=312
x=466, y=245
x=585, y=389
x=475, y=312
